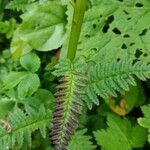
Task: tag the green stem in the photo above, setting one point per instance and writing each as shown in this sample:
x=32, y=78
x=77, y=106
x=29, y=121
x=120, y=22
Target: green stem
x=79, y=10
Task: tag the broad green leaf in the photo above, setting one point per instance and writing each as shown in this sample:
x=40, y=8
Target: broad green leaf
x=19, y=48
x=30, y=62
x=120, y=134
x=6, y=105
x=123, y=104
x=42, y=28
x=113, y=30
x=135, y=97
x=13, y=79
x=145, y=121
x=28, y=85
x=45, y=97
x=19, y=5
x=4, y=26
x=8, y=27
x=80, y=141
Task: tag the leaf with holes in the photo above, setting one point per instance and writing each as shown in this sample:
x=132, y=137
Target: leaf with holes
x=114, y=30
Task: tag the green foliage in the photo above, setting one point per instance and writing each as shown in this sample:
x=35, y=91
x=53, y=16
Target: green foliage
x=21, y=127
x=6, y=105
x=30, y=62
x=111, y=64
x=115, y=30
x=19, y=5
x=8, y=27
x=34, y=33
x=68, y=107
x=13, y=79
x=80, y=141
x=27, y=83
x=121, y=134
x=107, y=79
x=145, y=122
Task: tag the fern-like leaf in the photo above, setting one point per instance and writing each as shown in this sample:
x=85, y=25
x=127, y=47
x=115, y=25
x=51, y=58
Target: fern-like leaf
x=21, y=126
x=108, y=79
x=68, y=107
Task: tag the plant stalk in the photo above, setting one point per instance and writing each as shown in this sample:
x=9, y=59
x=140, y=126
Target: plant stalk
x=79, y=10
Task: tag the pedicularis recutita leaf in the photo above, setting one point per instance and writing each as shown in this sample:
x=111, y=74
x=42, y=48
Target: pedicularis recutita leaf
x=22, y=125
x=113, y=52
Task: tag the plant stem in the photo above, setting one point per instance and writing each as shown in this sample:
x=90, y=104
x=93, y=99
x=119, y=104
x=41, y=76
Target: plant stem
x=79, y=10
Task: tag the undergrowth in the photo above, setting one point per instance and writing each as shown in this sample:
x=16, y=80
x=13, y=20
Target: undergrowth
x=72, y=77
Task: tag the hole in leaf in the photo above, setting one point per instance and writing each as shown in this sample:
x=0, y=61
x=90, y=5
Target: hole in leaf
x=143, y=32
x=126, y=36
x=129, y=18
x=87, y=36
x=138, y=53
x=125, y=12
x=148, y=63
x=124, y=46
x=94, y=49
x=94, y=25
x=132, y=43
x=120, y=0
x=116, y=31
x=139, y=5
x=105, y=28
x=145, y=55
x=110, y=19
x=135, y=61
x=118, y=59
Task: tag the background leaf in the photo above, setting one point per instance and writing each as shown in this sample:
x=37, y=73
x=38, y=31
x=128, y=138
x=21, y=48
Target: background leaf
x=6, y=106
x=12, y=79
x=30, y=62
x=43, y=34
x=145, y=121
x=121, y=134
x=28, y=85
x=80, y=141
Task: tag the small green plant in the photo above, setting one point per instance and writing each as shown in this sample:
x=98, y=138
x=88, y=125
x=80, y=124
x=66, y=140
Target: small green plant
x=74, y=75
